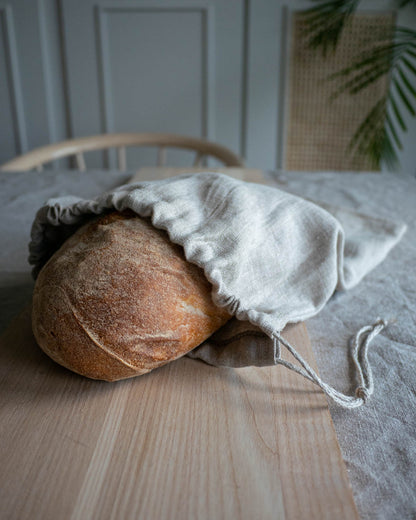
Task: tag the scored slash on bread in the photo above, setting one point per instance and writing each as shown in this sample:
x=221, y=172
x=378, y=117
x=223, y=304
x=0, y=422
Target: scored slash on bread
x=118, y=299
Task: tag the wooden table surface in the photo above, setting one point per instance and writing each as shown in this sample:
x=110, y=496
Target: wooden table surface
x=187, y=441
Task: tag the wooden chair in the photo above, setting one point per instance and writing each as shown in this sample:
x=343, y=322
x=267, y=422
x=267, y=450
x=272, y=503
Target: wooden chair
x=76, y=147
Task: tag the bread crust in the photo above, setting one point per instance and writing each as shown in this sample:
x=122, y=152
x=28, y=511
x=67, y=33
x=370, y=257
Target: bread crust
x=118, y=299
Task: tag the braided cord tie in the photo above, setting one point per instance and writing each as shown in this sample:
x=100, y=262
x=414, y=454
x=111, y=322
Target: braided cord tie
x=360, y=344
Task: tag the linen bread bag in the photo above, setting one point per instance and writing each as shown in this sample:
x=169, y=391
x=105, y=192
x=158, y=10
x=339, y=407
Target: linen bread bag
x=266, y=256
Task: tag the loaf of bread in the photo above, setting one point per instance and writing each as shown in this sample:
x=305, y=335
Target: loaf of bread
x=118, y=299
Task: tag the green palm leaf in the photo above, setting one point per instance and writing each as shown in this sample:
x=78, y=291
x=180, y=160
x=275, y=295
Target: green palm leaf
x=372, y=138
x=324, y=22
x=397, y=114
x=391, y=129
x=397, y=59
x=377, y=136
x=405, y=2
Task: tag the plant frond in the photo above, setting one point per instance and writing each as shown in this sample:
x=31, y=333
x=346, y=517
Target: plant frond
x=391, y=129
x=379, y=56
x=362, y=80
x=392, y=56
x=376, y=137
x=366, y=129
x=406, y=82
x=325, y=23
x=403, y=3
x=409, y=65
x=397, y=112
x=406, y=31
x=407, y=103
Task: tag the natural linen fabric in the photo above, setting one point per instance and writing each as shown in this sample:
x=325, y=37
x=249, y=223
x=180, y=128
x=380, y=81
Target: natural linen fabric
x=272, y=258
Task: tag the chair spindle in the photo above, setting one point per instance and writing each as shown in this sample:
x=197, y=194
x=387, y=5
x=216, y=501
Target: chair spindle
x=198, y=158
x=121, y=158
x=79, y=159
x=161, y=156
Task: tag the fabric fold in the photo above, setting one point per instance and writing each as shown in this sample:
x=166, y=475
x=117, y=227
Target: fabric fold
x=272, y=258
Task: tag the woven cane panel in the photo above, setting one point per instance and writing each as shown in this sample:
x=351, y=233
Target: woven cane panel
x=319, y=130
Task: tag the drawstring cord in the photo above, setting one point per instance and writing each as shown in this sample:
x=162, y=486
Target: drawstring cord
x=360, y=344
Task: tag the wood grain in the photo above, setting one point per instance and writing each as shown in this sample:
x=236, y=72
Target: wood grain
x=183, y=442
x=76, y=147
x=158, y=172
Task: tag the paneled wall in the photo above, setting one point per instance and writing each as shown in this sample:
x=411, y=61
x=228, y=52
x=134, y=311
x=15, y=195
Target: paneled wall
x=14, y=131
x=157, y=66
x=210, y=68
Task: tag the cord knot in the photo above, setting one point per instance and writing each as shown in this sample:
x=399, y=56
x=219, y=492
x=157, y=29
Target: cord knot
x=362, y=393
x=380, y=321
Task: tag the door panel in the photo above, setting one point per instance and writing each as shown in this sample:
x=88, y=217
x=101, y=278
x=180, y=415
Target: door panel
x=155, y=67
x=208, y=68
x=32, y=107
x=12, y=141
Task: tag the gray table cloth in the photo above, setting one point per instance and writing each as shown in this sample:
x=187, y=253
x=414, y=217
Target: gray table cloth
x=377, y=441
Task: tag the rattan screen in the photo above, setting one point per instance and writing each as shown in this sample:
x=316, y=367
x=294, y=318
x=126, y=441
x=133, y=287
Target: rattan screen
x=319, y=130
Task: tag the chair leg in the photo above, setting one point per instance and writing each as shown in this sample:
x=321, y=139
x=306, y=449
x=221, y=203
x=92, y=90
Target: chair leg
x=161, y=156
x=198, y=158
x=80, y=161
x=121, y=158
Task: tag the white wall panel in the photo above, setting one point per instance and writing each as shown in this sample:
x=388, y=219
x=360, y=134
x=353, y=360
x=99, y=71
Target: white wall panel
x=155, y=67
x=208, y=68
x=32, y=108
x=146, y=85
x=13, y=140
x=266, y=34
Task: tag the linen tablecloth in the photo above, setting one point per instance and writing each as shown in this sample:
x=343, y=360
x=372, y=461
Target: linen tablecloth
x=378, y=441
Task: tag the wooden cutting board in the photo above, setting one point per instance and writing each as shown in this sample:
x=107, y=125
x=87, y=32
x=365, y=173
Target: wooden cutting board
x=183, y=442
x=187, y=441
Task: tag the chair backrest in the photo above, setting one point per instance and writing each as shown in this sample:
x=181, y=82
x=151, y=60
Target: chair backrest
x=76, y=147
